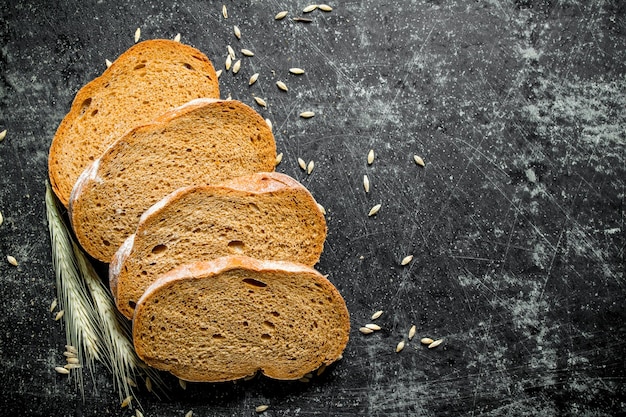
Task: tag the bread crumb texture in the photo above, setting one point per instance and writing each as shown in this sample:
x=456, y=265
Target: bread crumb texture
x=232, y=317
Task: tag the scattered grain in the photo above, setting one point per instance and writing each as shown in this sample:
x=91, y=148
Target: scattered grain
x=400, y=346
x=71, y=349
x=370, y=157
x=373, y=326
x=269, y=124
x=70, y=354
x=325, y=8
x=62, y=370
x=218, y=73
x=247, y=52
x=148, y=384
x=137, y=35
x=366, y=183
x=406, y=260
x=296, y=71
x=307, y=114
x=59, y=315
x=131, y=382
x=310, y=167
x=366, y=330
x=322, y=209
x=126, y=401
x=189, y=413
x=412, y=331
x=71, y=366
x=12, y=260
x=3, y=134
x=253, y=79
x=374, y=210
x=304, y=379
x=281, y=15
x=377, y=314
x=279, y=157
x=426, y=340
x=224, y=12
x=228, y=62
x=309, y=8
x=53, y=305
x=302, y=163
x=418, y=160
x=282, y=85
x=138, y=413
x=435, y=343
x=320, y=370
x=182, y=383
x=73, y=360
x=177, y=37
x=237, y=66
x=261, y=408
x=237, y=32
x=108, y=63
x=260, y=101
x=231, y=52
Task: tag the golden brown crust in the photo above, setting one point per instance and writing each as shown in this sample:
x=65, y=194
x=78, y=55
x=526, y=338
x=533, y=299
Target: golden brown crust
x=272, y=334
x=100, y=113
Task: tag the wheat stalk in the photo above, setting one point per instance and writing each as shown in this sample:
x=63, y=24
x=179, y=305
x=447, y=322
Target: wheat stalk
x=81, y=330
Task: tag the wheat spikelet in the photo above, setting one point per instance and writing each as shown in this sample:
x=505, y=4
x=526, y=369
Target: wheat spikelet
x=81, y=328
x=120, y=353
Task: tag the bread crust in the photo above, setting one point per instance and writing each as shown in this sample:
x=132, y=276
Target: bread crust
x=80, y=139
x=211, y=276
x=124, y=277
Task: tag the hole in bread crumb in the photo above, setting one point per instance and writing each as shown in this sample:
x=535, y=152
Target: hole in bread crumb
x=132, y=304
x=235, y=246
x=106, y=242
x=255, y=207
x=254, y=283
x=188, y=66
x=266, y=336
x=269, y=324
x=219, y=336
x=139, y=66
x=85, y=105
x=245, y=323
x=159, y=249
x=93, y=113
x=275, y=313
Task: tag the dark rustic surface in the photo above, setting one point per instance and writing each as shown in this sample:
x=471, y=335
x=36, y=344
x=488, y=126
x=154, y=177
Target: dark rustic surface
x=516, y=222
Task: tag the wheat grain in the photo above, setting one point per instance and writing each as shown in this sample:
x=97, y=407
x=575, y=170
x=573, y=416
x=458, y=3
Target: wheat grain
x=253, y=78
x=418, y=160
x=1, y=219
x=366, y=330
x=281, y=15
x=138, y=413
x=309, y=8
x=426, y=340
x=373, y=326
x=177, y=37
x=307, y=114
x=189, y=413
x=310, y=167
x=228, y=62
x=182, y=383
x=261, y=408
x=296, y=71
x=62, y=370
x=374, y=210
x=269, y=124
x=73, y=360
x=320, y=370
x=218, y=73
x=406, y=260
x=281, y=85
x=59, y=315
x=435, y=343
x=108, y=63
x=370, y=157
x=12, y=260
x=302, y=163
x=224, y=12
x=366, y=183
x=377, y=314
x=237, y=32
x=400, y=346
x=126, y=401
x=247, y=52
x=3, y=135
x=260, y=101
x=322, y=209
x=279, y=158
x=137, y=35
x=412, y=331
x=231, y=52
x=325, y=8
x=237, y=66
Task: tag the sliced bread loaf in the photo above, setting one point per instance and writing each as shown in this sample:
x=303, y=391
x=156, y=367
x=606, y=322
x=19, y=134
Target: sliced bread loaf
x=231, y=317
x=263, y=215
x=147, y=79
x=205, y=141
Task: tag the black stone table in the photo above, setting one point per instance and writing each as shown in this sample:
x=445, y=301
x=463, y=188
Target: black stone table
x=515, y=221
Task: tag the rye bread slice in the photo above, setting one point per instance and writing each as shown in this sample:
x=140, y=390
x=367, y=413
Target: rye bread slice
x=205, y=141
x=234, y=316
x=146, y=80
x=265, y=215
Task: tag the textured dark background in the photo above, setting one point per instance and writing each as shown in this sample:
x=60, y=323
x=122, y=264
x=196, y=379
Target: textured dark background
x=516, y=222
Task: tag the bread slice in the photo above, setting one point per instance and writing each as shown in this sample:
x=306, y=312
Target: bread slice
x=146, y=80
x=263, y=215
x=231, y=317
x=205, y=141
